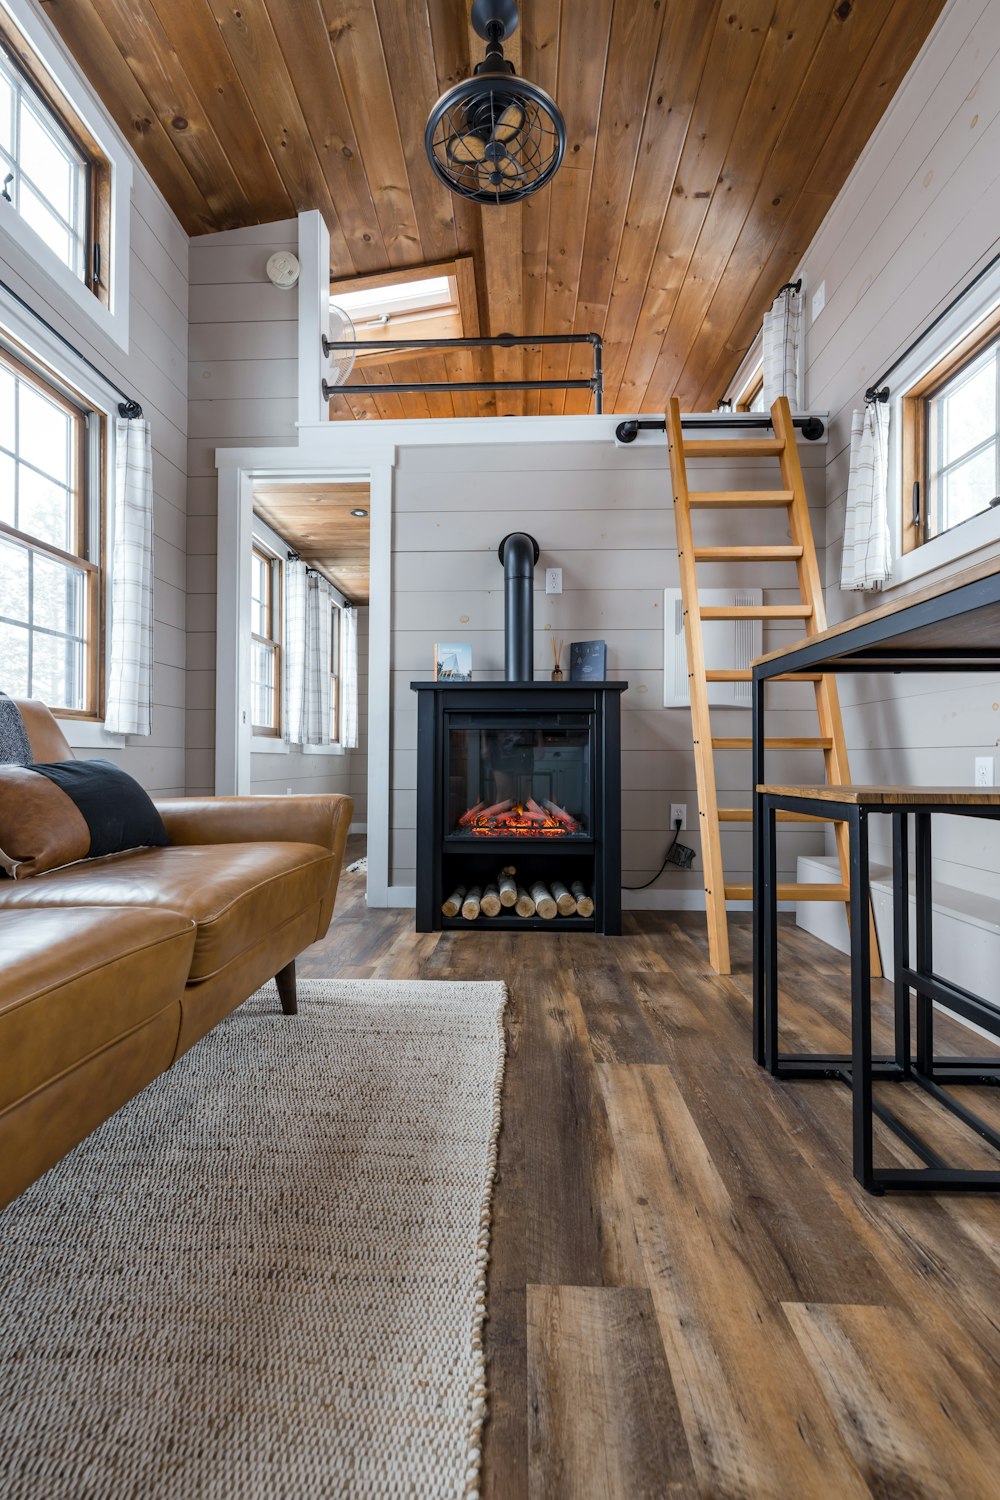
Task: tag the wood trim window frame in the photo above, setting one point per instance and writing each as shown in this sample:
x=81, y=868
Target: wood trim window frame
x=272, y=640
x=751, y=392
x=57, y=76
x=915, y=411
x=88, y=554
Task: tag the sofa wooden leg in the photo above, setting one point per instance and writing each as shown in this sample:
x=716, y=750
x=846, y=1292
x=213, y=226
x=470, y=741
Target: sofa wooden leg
x=285, y=980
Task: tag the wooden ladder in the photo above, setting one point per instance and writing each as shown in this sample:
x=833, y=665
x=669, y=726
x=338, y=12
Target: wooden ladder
x=801, y=550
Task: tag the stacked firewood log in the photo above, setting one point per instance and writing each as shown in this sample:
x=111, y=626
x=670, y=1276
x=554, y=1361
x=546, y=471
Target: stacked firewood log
x=507, y=895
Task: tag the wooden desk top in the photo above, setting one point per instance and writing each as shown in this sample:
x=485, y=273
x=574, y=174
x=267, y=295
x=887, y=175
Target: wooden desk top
x=972, y=628
x=893, y=796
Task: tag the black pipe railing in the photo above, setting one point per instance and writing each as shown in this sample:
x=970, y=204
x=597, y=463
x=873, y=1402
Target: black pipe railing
x=811, y=428
x=595, y=383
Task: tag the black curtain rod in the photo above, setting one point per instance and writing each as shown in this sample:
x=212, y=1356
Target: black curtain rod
x=128, y=407
x=811, y=428
x=878, y=390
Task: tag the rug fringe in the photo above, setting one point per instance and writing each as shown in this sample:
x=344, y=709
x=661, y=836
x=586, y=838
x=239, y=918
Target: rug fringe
x=478, y=1391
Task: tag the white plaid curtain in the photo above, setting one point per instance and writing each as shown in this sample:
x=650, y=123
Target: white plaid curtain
x=782, y=332
x=130, y=668
x=349, y=677
x=308, y=625
x=867, y=560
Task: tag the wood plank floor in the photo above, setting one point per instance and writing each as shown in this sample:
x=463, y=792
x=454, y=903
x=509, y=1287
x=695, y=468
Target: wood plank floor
x=689, y=1295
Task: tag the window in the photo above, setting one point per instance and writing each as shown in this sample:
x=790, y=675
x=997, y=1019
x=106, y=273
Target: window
x=265, y=642
x=53, y=173
x=951, y=438
x=752, y=398
x=334, y=673
x=49, y=545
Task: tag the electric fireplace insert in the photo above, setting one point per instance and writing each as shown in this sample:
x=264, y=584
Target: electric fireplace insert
x=519, y=781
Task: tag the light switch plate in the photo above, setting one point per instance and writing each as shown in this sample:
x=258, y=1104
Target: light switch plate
x=553, y=580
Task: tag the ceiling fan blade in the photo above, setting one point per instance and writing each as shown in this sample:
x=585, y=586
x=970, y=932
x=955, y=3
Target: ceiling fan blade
x=466, y=148
x=509, y=123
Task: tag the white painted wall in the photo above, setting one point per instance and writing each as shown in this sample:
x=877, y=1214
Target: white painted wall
x=243, y=378
x=604, y=515
x=915, y=220
x=154, y=370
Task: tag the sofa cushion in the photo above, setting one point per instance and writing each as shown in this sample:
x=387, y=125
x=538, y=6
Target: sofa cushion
x=232, y=892
x=73, y=982
x=55, y=814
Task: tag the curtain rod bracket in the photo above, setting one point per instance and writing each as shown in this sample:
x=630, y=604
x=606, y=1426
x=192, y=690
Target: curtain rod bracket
x=876, y=393
x=129, y=410
x=791, y=286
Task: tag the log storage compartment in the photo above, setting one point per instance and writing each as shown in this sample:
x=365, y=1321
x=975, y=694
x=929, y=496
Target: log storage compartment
x=519, y=806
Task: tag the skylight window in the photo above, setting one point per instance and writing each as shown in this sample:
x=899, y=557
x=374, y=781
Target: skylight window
x=396, y=299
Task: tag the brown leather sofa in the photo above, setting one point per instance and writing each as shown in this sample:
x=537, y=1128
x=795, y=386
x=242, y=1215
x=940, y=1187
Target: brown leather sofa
x=111, y=968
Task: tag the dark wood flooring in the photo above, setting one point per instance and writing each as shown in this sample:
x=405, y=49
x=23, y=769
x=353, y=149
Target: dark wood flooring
x=689, y=1295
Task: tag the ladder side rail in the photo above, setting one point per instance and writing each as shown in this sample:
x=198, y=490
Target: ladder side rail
x=711, y=841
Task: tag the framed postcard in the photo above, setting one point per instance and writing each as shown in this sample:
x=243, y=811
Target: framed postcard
x=453, y=661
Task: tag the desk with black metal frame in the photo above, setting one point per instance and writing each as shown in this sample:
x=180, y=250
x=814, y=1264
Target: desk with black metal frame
x=949, y=627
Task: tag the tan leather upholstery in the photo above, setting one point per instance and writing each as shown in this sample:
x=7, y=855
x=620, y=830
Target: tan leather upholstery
x=233, y=892
x=48, y=743
x=89, y=1004
x=40, y=827
x=111, y=968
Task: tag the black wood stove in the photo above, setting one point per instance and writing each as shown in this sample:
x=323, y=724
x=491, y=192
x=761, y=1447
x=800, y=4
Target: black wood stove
x=522, y=777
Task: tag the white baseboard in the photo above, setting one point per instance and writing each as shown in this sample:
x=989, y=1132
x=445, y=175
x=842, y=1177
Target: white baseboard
x=401, y=895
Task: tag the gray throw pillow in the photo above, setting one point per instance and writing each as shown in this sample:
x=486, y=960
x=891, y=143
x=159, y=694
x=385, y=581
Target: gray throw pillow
x=15, y=747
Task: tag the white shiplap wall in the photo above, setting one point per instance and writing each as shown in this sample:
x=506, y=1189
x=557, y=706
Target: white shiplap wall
x=916, y=218
x=155, y=370
x=243, y=390
x=604, y=515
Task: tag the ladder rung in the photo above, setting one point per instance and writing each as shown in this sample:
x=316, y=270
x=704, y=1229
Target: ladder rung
x=779, y=742
x=757, y=612
x=747, y=554
x=744, y=674
x=732, y=447
x=794, y=892
x=745, y=815
x=739, y=499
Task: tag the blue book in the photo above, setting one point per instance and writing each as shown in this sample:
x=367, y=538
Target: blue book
x=588, y=661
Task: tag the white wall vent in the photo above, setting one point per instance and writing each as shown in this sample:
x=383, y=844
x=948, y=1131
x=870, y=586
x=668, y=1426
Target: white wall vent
x=728, y=643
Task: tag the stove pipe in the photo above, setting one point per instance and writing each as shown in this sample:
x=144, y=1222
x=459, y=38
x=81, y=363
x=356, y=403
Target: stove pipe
x=518, y=552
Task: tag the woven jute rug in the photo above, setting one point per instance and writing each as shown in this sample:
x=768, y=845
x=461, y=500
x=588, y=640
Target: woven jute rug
x=265, y=1277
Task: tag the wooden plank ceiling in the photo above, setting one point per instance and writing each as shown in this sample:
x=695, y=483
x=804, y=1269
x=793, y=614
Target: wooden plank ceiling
x=706, y=142
x=315, y=519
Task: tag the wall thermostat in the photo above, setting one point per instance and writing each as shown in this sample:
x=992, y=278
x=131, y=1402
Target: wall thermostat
x=283, y=268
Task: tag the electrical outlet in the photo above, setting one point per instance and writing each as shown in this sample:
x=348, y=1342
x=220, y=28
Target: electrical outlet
x=678, y=810
x=553, y=580
x=818, y=302
x=984, y=770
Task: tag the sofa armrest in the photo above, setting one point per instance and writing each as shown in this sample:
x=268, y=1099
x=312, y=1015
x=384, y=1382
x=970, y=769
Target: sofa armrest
x=322, y=820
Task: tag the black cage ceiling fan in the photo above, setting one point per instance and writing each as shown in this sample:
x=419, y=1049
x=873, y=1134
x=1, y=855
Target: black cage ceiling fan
x=495, y=137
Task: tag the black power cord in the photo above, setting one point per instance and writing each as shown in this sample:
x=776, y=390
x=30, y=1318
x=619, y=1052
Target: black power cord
x=677, y=854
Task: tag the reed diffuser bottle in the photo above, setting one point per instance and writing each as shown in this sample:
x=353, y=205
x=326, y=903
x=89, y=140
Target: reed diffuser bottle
x=557, y=671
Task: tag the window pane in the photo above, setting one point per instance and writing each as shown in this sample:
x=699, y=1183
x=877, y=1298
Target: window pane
x=47, y=164
x=14, y=660
x=7, y=507
x=44, y=510
x=6, y=119
x=969, y=414
x=7, y=438
x=262, y=684
x=13, y=581
x=58, y=596
x=55, y=673
x=44, y=222
x=968, y=488
x=44, y=434
x=259, y=592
